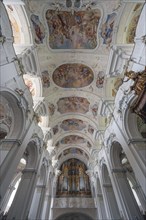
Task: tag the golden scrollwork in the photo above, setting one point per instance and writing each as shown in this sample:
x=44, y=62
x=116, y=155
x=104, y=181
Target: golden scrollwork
x=139, y=81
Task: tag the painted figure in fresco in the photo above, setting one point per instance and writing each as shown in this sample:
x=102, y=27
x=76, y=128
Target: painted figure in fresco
x=94, y=110
x=90, y=129
x=38, y=28
x=73, y=31
x=72, y=124
x=45, y=79
x=100, y=79
x=30, y=86
x=73, y=104
x=51, y=108
x=107, y=29
x=73, y=76
x=72, y=139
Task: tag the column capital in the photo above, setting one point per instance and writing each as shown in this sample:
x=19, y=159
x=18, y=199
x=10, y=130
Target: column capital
x=29, y=170
x=136, y=140
x=118, y=170
x=107, y=185
x=99, y=195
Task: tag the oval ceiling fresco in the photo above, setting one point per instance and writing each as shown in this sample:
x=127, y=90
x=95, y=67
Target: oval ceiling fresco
x=73, y=151
x=76, y=30
x=73, y=76
x=73, y=139
x=72, y=124
x=73, y=104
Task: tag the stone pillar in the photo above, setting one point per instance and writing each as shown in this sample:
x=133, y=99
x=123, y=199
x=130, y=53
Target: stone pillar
x=100, y=202
x=47, y=203
x=10, y=163
x=6, y=198
x=101, y=207
x=110, y=202
x=127, y=199
x=37, y=202
x=42, y=190
x=21, y=204
x=141, y=196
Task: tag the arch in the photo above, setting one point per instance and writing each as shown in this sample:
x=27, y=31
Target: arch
x=15, y=113
x=74, y=216
x=130, y=120
x=115, y=153
x=20, y=24
x=21, y=205
x=31, y=155
x=34, y=85
x=120, y=168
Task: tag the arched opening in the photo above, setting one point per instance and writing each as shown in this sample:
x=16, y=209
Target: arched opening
x=74, y=216
x=122, y=170
x=135, y=130
x=9, y=113
x=12, y=189
x=23, y=197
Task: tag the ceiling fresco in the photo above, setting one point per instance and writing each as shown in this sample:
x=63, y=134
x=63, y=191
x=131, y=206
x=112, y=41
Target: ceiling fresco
x=30, y=85
x=45, y=79
x=132, y=25
x=72, y=125
x=51, y=109
x=39, y=30
x=73, y=139
x=15, y=24
x=107, y=29
x=73, y=41
x=74, y=151
x=100, y=79
x=73, y=31
x=73, y=76
x=73, y=104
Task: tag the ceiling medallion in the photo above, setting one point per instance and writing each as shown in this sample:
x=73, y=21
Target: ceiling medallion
x=73, y=76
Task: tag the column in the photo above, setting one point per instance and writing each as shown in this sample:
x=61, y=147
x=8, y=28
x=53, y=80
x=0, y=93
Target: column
x=101, y=207
x=110, y=202
x=100, y=202
x=141, y=196
x=37, y=202
x=131, y=210
x=19, y=209
x=47, y=207
x=6, y=198
x=10, y=163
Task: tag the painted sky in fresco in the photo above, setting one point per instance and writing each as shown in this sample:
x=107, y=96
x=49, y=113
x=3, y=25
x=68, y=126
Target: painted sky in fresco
x=72, y=124
x=73, y=104
x=73, y=31
x=73, y=76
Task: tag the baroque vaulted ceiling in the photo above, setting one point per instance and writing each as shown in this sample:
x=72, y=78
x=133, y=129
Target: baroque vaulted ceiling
x=73, y=42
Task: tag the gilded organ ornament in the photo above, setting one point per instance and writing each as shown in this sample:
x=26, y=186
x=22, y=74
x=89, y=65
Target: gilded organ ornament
x=73, y=180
